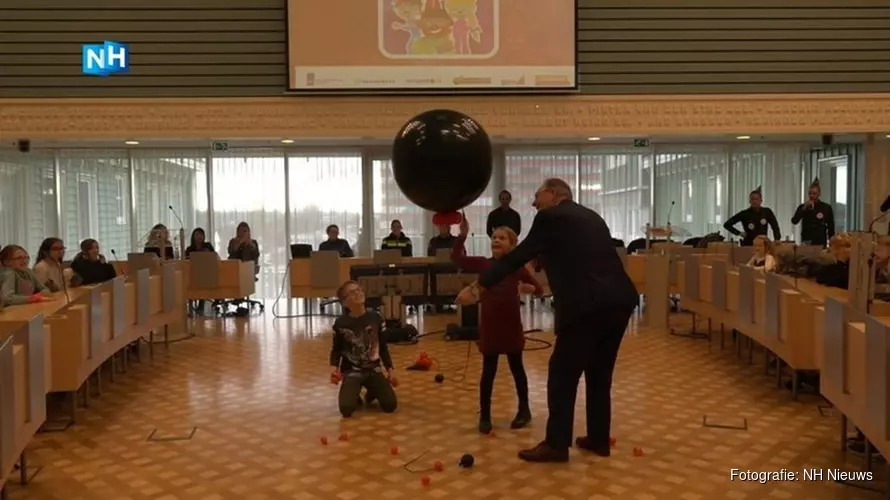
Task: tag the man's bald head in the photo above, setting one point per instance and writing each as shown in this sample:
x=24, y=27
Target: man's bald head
x=551, y=193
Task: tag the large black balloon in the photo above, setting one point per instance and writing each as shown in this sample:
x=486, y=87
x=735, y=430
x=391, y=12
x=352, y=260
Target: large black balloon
x=441, y=160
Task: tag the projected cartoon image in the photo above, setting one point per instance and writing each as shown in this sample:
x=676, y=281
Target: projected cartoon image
x=434, y=29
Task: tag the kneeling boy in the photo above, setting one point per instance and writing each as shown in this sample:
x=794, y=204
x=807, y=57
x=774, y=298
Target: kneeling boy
x=359, y=354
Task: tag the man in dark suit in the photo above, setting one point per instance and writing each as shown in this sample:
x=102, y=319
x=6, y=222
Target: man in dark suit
x=594, y=299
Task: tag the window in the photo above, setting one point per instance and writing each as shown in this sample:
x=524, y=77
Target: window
x=27, y=199
x=169, y=186
x=248, y=186
x=121, y=200
x=91, y=196
x=689, y=187
x=325, y=190
x=390, y=203
x=526, y=170
x=615, y=183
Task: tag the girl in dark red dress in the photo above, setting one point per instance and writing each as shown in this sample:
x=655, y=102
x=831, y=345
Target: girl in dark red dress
x=500, y=323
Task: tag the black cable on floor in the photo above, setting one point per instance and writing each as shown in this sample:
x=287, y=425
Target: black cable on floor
x=275, y=314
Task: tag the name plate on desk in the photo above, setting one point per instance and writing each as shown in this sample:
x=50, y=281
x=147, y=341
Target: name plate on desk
x=718, y=284
x=773, y=288
x=877, y=376
x=692, y=271
x=143, y=278
x=834, y=350
x=746, y=294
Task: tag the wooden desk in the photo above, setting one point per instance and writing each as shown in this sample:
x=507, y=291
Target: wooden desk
x=23, y=388
x=231, y=279
x=300, y=275
x=856, y=371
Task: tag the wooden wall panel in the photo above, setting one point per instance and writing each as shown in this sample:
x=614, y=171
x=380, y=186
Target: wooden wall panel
x=733, y=46
x=238, y=47
x=178, y=47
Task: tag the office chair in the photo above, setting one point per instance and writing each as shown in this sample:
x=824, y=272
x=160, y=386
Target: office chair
x=243, y=307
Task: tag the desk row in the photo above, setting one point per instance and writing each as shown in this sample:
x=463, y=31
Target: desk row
x=54, y=346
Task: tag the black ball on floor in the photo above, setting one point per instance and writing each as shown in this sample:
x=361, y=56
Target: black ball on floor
x=466, y=461
x=442, y=160
x=440, y=378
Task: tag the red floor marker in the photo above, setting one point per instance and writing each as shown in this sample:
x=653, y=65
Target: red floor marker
x=324, y=440
x=425, y=480
x=638, y=452
x=438, y=467
x=344, y=437
x=394, y=450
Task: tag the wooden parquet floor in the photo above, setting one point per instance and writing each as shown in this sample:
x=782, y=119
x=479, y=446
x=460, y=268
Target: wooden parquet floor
x=257, y=392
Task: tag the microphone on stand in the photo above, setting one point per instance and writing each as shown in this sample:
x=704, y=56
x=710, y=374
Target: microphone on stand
x=181, y=232
x=64, y=284
x=670, y=210
x=114, y=254
x=885, y=207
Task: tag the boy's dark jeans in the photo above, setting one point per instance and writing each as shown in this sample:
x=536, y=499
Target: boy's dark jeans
x=375, y=382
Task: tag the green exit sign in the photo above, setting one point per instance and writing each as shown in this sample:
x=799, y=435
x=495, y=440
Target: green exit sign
x=641, y=143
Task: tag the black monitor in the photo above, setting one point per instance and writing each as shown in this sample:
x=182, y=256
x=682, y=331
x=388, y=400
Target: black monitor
x=300, y=251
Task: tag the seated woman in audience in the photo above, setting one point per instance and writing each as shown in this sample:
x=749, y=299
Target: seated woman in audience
x=18, y=284
x=159, y=241
x=837, y=274
x=396, y=240
x=334, y=243
x=90, y=266
x=198, y=243
x=243, y=247
x=763, y=258
x=49, y=269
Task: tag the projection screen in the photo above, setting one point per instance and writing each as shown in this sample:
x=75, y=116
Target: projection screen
x=449, y=45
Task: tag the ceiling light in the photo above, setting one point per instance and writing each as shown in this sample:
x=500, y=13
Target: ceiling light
x=131, y=143
x=287, y=141
x=888, y=136
x=593, y=138
x=743, y=137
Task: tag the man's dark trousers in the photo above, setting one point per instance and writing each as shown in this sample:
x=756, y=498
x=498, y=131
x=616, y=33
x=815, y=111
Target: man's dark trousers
x=588, y=345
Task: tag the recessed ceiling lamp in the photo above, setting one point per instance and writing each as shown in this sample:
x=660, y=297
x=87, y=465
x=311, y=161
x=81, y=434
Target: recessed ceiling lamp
x=888, y=136
x=131, y=143
x=287, y=141
x=593, y=138
x=743, y=137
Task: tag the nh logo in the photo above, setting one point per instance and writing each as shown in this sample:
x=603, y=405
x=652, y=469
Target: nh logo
x=105, y=59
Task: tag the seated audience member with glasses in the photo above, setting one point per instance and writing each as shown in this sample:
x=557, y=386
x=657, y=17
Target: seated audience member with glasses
x=18, y=284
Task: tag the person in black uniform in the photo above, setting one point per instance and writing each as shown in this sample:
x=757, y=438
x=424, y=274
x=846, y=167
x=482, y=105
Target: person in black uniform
x=334, y=243
x=396, y=240
x=503, y=216
x=816, y=218
x=754, y=219
x=595, y=298
x=442, y=241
